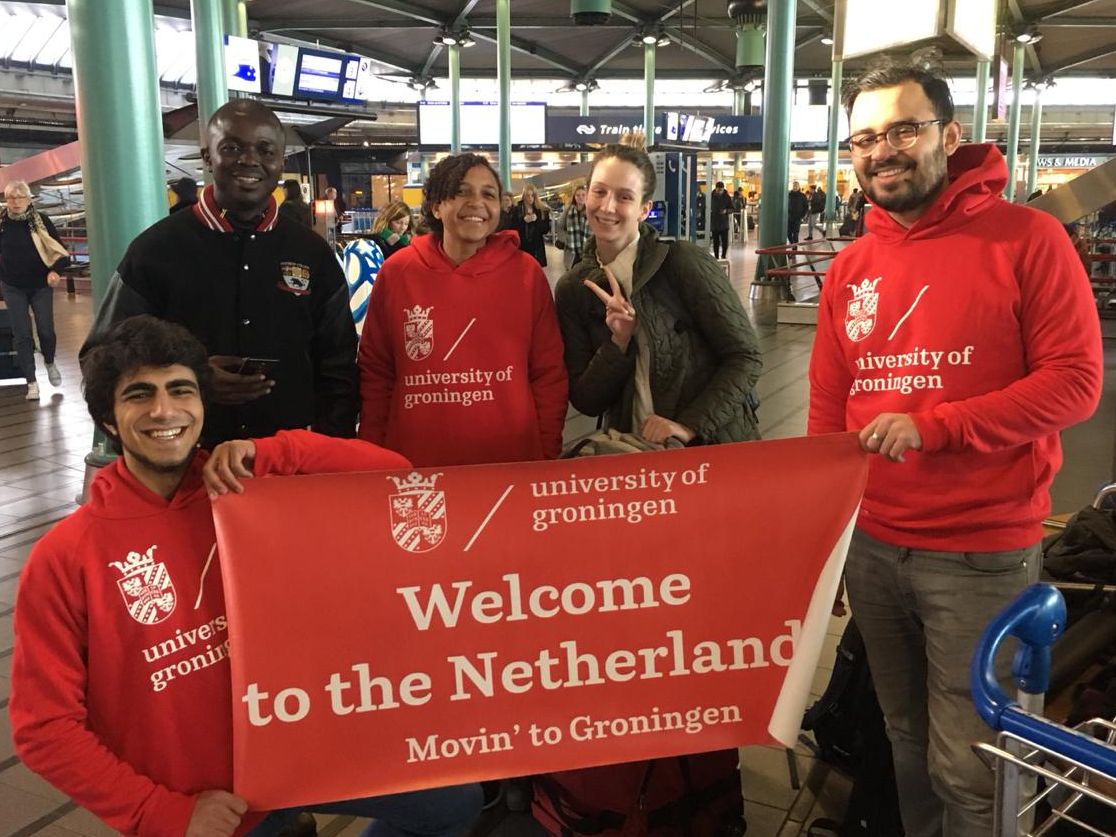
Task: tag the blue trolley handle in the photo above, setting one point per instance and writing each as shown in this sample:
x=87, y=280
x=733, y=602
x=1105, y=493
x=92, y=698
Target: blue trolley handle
x=1036, y=618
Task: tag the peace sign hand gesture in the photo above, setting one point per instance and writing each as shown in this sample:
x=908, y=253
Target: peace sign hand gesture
x=619, y=313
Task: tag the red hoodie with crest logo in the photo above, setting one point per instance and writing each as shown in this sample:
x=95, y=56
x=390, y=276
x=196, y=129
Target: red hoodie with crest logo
x=977, y=321
x=121, y=691
x=462, y=364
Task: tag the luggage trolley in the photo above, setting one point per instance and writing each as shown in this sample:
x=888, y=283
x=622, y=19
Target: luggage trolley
x=1073, y=766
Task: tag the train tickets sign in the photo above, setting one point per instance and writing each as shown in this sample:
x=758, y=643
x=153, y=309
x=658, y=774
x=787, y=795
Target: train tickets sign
x=414, y=629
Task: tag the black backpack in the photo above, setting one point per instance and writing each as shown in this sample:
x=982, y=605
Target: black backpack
x=848, y=727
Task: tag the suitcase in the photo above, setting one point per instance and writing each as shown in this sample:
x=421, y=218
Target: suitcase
x=9, y=367
x=697, y=796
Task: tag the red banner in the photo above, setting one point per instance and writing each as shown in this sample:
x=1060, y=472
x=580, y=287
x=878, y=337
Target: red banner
x=418, y=629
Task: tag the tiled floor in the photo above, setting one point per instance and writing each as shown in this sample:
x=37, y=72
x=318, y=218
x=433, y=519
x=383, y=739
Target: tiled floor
x=42, y=448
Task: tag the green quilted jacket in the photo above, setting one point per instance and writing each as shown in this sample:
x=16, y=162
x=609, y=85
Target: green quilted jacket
x=704, y=355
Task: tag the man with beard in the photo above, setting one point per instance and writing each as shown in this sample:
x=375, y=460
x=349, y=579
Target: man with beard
x=263, y=293
x=957, y=340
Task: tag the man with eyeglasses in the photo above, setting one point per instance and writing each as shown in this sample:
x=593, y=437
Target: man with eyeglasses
x=957, y=339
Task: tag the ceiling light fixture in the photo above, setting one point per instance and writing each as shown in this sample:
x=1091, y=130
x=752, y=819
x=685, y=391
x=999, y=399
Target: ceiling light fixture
x=460, y=38
x=1029, y=35
x=827, y=39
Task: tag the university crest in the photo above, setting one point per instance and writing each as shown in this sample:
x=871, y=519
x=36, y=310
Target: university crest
x=860, y=315
x=295, y=278
x=418, y=512
x=146, y=587
x=418, y=332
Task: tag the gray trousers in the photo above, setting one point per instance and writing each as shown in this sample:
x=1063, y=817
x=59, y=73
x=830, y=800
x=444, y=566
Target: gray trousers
x=920, y=614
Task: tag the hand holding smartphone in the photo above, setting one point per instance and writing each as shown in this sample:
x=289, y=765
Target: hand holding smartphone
x=265, y=366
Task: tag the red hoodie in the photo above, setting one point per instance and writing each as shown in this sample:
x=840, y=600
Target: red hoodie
x=462, y=364
x=979, y=323
x=121, y=694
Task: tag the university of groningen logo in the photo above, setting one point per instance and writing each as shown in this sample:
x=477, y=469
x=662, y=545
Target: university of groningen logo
x=418, y=332
x=146, y=587
x=860, y=315
x=418, y=512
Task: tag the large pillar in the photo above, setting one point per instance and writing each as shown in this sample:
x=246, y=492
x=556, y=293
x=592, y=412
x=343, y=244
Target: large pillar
x=834, y=140
x=242, y=18
x=739, y=107
x=121, y=132
x=1036, y=135
x=649, y=99
x=454, y=61
x=503, y=75
x=209, y=46
x=1013, y=118
x=120, y=127
x=980, y=109
x=778, y=89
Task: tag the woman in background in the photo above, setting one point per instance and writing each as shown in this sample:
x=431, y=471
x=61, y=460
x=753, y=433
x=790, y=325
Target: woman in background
x=532, y=222
x=293, y=206
x=30, y=257
x=392, y=230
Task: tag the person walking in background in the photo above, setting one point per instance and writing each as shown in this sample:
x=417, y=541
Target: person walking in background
x=816, y=214
x=30, y=257
x=738, y=205
x=720, y=219
x=339, y=208
x=392, y=230
x=797, y=207
x=293, y=206
x=507, y=212
x=464, y=297
x=185, y=191
x=575, y=227
x=532, y=222
x=957, y=340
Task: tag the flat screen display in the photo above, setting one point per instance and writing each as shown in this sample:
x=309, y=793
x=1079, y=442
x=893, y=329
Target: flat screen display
x=242, y=64
x=284, y=67
x=480, y=123
x=320, y=74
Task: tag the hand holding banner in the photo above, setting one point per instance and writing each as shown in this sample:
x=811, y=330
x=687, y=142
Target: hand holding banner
x=486, y=621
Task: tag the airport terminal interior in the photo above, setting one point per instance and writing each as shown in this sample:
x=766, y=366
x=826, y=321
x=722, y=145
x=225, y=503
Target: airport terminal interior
x=363, y=88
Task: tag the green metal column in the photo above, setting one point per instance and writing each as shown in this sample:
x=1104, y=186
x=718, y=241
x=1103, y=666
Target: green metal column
x=230, y=11
x=1036, y=136
x=120, y=127
x=584, y=111
x=503, y=75
x=980, y=109
x=209, y=45
x=649, y=100
x=834, y=141
x=242, y=19
x=454, y=60
x=1013, y=119
x=121, y=134
x=778, y=89
x=739, y=106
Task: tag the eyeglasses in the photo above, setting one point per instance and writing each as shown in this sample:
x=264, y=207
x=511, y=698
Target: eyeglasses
x=900, y=136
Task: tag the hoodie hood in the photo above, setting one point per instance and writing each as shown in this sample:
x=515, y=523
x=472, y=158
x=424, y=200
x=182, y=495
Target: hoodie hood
x=116, y=494
x=500, y=248
x=977, y=176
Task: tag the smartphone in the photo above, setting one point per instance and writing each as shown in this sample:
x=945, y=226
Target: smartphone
x=258, y=366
